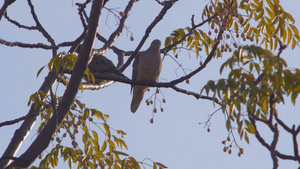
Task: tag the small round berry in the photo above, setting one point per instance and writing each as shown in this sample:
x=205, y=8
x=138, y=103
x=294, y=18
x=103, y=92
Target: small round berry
x=58, y=140
x=152, y=121
x=242, y=151
x=122, y=13
x=131, y=38
x=187, y=81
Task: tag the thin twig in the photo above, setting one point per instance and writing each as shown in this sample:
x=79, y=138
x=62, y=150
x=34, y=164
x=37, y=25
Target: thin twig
x=162, y=13
x=18, y=24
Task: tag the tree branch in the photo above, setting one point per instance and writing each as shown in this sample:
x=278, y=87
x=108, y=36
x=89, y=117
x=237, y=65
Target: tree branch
x=196, y=95
x=10, y=122
x=43, y=139
x=273, y=147
x=162, y=13
x=170, y=47
x=39, y=25
x=18, y=24
x=5, y=6
x=295, y=143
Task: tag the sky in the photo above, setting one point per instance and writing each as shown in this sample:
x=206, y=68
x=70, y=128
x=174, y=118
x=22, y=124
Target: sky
x=176, y=139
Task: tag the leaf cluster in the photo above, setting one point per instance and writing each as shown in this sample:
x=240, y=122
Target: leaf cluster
x=256, y=76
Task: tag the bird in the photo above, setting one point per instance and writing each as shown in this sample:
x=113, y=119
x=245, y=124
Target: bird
x=101, y=65
x=147, y=67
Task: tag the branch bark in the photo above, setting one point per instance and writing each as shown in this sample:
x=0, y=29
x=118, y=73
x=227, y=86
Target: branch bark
x=43, y=139
x=162, y=13
x=5, y=6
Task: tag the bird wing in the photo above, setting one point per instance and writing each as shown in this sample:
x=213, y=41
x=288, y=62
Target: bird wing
x=146, y=67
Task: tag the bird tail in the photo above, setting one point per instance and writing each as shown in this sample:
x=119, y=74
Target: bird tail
x=137, y=97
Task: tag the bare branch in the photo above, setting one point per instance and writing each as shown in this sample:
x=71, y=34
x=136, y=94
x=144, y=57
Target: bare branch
x=273, y=147
x=282, y=124
x=117, y=32
x=39, y=25
x=5, y=6
x=162, y=13
x=40, y=45
x=18, y=24
x=295, y=143
x=118, y=51
x=43, y=139
x=10, y=122
x=26, y=45
x=196, y=95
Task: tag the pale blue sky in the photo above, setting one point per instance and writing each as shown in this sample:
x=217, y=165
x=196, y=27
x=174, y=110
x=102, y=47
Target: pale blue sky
x=175, y=139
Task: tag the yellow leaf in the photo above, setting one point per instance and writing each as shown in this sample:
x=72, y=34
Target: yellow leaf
x=250, y=128
x=289, y=36
x=247, y=138
x=40, y=70
x=295, y=30
x=161, y=165
x=271, y=13
x=106, y=127
x=260, y=15
x=246, y=28
x=236, y=27
x=167, y=41
x=104, y=145
x=283, y=32
x=294, y=43
x=95, y=135
x=271, y=5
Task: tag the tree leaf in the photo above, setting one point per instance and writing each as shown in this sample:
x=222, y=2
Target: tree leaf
x=250, y=128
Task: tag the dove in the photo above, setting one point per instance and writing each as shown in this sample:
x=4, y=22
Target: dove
x=101, y=65
x=146, y=68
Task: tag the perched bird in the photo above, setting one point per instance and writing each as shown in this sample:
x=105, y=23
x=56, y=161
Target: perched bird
x=101, y=65
x=146, y=67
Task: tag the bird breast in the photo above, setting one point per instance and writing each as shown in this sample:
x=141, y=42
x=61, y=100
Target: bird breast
x=149, y=67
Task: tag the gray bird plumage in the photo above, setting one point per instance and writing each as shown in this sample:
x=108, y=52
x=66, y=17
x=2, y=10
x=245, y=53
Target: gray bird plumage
x=146, y=67
x=101, y=65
